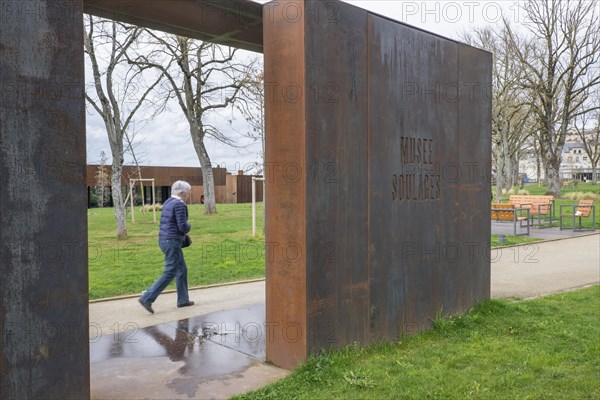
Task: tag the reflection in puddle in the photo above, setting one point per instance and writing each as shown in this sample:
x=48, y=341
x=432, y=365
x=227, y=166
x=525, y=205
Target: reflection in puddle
x=181, y=354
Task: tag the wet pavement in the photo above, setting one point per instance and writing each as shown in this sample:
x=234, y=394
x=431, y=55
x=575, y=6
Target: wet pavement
x=216, y=348
x=215, y=355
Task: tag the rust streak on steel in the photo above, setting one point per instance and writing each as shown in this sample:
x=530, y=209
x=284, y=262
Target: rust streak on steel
x=286, y=220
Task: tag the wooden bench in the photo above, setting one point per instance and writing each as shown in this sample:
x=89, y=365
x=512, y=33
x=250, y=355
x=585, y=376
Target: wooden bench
x=581, y=210
x=508, y=212
x=539, y=206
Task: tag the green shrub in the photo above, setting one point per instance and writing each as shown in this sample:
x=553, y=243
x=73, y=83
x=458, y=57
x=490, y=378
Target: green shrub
x=514, y=190
x=150, y=207
x=581, y=196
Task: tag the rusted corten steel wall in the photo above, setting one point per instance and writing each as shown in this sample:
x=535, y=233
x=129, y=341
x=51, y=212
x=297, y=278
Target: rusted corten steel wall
x=44, y=346
x=378, y=157
x=285, y=180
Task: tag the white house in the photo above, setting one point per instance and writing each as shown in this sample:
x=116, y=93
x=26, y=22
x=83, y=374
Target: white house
x=575, y=163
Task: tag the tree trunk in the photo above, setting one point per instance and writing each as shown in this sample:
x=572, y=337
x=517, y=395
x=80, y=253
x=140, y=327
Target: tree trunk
x=117, y=195
x=508, y=173
x=208, y=178
x=499, y=186
x=102, y=196
x=538, y=171
x=594, y=179
x=515, y=173
x=499, y=174
x=506, y=160
x=553, y=178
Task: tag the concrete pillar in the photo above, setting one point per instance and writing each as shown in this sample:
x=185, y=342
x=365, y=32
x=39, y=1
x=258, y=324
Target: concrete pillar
x=43, y=219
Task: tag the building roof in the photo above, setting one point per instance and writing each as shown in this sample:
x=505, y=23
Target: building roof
x=572, y=145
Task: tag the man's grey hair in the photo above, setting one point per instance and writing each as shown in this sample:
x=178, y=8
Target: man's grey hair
x=179, y=187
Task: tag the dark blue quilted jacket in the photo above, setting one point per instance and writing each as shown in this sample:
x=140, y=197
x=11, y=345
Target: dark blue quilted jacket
x=173, y=219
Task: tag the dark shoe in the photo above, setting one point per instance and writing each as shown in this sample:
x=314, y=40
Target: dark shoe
x=147, y=306
x=189, y=303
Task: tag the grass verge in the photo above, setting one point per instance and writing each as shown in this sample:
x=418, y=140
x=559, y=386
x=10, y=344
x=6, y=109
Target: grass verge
x=547, y=348
x=511, y=240
x=223, y=250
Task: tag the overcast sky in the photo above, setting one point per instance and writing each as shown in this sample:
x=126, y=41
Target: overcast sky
x=166, y=140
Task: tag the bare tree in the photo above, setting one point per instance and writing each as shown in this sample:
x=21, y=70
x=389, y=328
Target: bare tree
x=252, y=108
x=531, y=147
x=117, y=93
x=202, y=77
x=511, y=116
x=132, y=148
x=102, y=179
x=587, y=127
x=559, y=58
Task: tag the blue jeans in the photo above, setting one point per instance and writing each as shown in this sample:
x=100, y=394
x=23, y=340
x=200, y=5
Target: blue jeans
x=174, y=268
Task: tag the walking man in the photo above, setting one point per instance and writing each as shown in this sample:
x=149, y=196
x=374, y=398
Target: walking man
x=174, y=226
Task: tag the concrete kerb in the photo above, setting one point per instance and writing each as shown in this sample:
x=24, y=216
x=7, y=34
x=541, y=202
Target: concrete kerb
x=216, y=285
x=586, y=286
x=546, y=240
x=508, y=274
x=521, y=282
x=224, y=284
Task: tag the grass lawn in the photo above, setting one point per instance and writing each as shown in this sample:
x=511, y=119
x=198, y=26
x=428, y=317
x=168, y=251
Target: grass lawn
x=512, y=240
x=536, y=189
x=223, y=250
x=547, y=348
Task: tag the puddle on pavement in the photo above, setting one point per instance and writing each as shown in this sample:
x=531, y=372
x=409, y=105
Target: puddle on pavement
x=191, y=351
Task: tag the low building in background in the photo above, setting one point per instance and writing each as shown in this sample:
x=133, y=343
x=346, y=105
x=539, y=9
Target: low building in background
x=575, y=164
x=229, y=188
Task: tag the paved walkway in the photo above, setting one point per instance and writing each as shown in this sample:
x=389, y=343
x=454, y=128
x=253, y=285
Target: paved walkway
x=180, y=353
x=106, y=316
x=547, y=267
x=196, y=352
x=544, y=233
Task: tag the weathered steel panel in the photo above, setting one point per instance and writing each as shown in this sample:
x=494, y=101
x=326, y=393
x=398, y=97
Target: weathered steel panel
x=413, y=139
x=337, y=175
x=285, y=180
x=382, y=145
x=474, y=152
x=372, y=207
x=43, y=217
